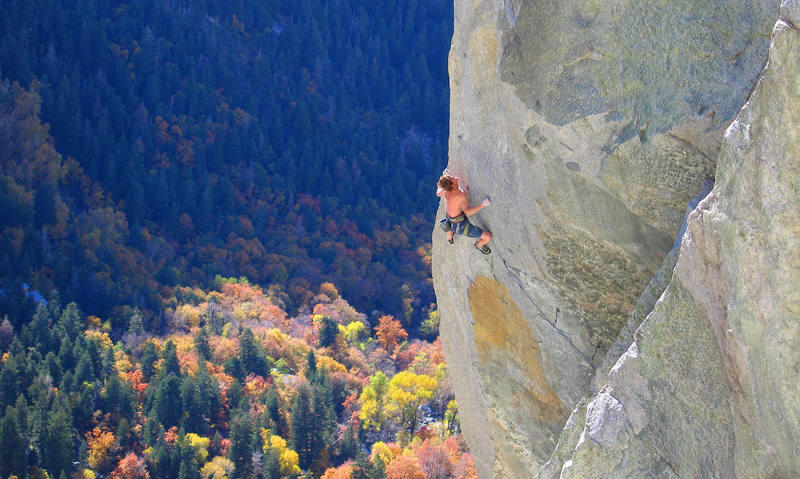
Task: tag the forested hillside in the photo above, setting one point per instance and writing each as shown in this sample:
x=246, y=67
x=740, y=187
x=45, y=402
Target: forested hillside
x=287, y=142
x=235, y=388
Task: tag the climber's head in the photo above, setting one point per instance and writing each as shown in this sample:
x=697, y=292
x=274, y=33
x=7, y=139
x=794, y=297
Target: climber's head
x=447, y=182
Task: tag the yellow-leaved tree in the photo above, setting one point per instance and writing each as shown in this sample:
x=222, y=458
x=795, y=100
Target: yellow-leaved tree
x=218, y=468
x=287, y=458
x=406, y=393
x=199, y=444
x=373, y=402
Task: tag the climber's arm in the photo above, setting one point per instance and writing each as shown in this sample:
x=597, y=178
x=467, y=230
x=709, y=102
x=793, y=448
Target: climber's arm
x=471, y=211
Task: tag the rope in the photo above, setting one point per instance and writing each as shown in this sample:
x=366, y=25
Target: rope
x=542, y=315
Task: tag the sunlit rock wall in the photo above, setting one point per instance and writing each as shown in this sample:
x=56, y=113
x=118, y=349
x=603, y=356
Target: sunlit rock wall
x=710, y=387
x=590, y=125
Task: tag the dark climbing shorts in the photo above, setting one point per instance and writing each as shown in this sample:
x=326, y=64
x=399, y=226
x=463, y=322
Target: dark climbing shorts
x=467, y=229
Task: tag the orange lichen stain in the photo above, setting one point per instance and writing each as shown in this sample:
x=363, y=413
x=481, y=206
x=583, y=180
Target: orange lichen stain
x=501, y=328
x=484, y=47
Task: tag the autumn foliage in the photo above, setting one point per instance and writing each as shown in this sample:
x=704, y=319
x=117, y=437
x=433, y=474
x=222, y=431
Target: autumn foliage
x=235, y=378
x=130, y=467
x=390, y=333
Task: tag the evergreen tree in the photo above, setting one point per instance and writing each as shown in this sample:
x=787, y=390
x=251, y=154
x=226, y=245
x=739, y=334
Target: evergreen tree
x=6, y=334
x=123, y=433
x=170, y=365
x=201, y=344
x=153, y=431
x=324, y=415
x=236, y=394
x=251, y=354
x=361, y=467
x=271, y=465
x=235, y=368
x=148, y=360
x=59, y=447
x=70, y=323
x=136, y=331
x=85, y=370
x=304, y=435
x=164, y=404
x=37, y=332
x=328, y=332
x=311, y=365
x=54, y=368
x=84, y=406
x=276, y=418
x=242, y=436
x=167, y=462
x=10, y=380
x=118, y=397
x=189, y=467
x=65, y=356
x=13, y=444
x=202, y=415
x=376, y=469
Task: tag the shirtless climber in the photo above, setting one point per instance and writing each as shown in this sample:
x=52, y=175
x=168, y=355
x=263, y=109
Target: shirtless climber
x=457, y=207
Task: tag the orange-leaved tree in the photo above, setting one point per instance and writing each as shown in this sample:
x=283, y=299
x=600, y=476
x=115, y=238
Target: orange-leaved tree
x=404, y=467
x=390, y=333
x=130, y=467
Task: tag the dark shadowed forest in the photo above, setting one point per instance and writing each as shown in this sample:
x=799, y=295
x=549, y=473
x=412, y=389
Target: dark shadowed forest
x=288, y=142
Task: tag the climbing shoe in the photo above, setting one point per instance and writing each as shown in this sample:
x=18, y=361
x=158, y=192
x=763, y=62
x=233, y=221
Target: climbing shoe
x=483, y=249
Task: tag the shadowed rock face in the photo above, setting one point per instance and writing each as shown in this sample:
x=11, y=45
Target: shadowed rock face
x=590, y=126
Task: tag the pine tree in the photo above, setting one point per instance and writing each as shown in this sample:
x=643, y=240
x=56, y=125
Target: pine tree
x=37, y=332
x=164, y=404
x=271, y=465
x=71, y=323
x=242, y=436
x=189, y=467
x=59, y=446
x=65, y=356
x=148, y=360
x=304, y=440
x=136, y=331
x=251, y=354
x=118, y=397
x=201, y=344
x=328, y=332
x=153, y=431
x=13, y=444
x=170, y=365
x=311, y=362
x=84, y=371
x=10, y=381
x=276, y=419
x=207, y=397
x=376, y=469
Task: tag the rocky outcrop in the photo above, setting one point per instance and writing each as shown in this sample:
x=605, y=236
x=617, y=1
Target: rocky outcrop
x=590, y=125
x=709, y=387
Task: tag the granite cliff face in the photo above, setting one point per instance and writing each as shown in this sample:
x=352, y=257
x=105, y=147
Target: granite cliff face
x=592, y=126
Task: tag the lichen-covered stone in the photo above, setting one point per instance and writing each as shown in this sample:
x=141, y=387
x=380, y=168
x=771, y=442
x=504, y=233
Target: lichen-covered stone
x=590, y=126
x=523, y=404
x=711, y=386
x=570, y=59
